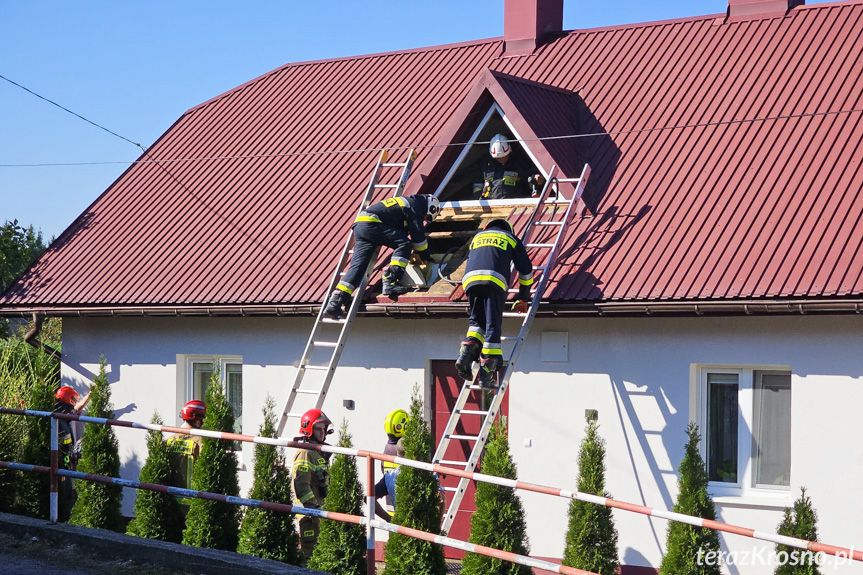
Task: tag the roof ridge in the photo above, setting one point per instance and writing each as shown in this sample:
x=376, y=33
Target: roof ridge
x=465, y=44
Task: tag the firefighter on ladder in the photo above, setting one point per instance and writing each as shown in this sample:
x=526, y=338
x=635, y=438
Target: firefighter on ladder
x=184, y=448
x=485, y=282
x=396, y=223
x=311, y=476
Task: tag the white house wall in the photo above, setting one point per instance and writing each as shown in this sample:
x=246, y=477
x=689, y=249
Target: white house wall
x=638, y=373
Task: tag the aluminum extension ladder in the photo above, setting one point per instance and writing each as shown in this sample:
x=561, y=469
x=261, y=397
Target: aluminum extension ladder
x=317, y=339
x=543, y=220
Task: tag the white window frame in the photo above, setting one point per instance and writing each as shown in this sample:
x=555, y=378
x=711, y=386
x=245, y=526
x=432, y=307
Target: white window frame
x=745, y=489
x=221, y=360
x=463, y=154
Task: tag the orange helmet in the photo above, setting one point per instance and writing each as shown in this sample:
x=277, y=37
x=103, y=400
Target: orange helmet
x=311, y=418
x=67, y=395
x=194, y=410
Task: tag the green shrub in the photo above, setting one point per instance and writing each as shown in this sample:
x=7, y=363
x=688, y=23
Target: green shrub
x=591, y=539
x=157, y=514
x=419, y=504
x=685, y=543
x=211, y=523
x=341, y=548
x=499, y=518
x=265, y=533
x=799, y=521
x=99, y=505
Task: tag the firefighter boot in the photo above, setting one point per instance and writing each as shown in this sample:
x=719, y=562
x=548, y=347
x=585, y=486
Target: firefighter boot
x=334, y=306
x=488, y=371
x=392, y=288
x=468, y=354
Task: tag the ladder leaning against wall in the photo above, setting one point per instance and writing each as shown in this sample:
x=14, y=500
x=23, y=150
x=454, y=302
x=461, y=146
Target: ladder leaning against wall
x=549, y=223
x=321, y=338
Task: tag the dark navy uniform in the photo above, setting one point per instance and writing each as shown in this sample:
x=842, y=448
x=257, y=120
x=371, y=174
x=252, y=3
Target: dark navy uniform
x=486, y=280
x=67, y=459
x=507, y=180
x=396, y=223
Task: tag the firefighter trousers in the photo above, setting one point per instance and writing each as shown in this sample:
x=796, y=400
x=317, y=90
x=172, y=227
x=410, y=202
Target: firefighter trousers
x=309, y=529
x=367, y=237
x=486, y=303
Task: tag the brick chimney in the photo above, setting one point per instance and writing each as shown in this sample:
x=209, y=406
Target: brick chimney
x=747, y=9
x=528, y=23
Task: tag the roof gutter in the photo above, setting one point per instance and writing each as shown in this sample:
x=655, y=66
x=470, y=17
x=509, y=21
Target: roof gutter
x=459, y=309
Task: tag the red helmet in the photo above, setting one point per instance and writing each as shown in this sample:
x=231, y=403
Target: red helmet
x=67, y=395
x=194, y=410
x=311, y=418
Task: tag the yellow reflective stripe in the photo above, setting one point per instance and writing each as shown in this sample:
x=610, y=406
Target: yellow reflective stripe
x=399, y=263
x=306, y=497
x=367, y=219
x=391, y=465
x=421, y=246
x=477, y=334
x=348, y=289
x=490, y=351
x=525, y=282
x=476, y=278
x=492, y=238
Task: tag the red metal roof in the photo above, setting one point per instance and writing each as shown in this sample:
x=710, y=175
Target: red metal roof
x=732, y=206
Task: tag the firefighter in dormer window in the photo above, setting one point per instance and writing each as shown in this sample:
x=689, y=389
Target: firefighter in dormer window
x=506, y=175
x=397, y=223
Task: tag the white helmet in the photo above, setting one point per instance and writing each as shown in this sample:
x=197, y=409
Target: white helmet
x=433, y=207
x=499, y=147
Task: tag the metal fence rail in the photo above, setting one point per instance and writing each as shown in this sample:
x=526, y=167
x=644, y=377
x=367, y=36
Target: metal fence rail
x=814, y=546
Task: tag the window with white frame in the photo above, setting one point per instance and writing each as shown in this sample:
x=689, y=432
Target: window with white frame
x=200, y=374
x=745, y=420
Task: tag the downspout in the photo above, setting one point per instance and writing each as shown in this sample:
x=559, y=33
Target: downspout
x=32, y=335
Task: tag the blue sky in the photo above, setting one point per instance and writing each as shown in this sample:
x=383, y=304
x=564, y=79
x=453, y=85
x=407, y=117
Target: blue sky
x=134, y=67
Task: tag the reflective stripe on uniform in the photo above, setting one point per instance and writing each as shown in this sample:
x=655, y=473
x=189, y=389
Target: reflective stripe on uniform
x=491, y=349
x=492, y=239
x=421, y=246
x=346, y=287
x=390, y=202
x=525, y=279
x=399, y=262
x=484, y=275
x=306, y=497
x=477, y=333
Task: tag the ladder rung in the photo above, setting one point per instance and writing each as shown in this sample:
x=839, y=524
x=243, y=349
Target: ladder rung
x=539, y=268
x=568, y=180
x=326, y=343
x=548, y=223
x=391, y=165
x=449, y=488
x=549, y=246
x=330, y=320
x=533, y=291
x=307, y=391
x=465, y=437
x=475, y=387
x=387, y=186
x=316, y=367
x=513, y=314
x=471, y=412
x=297, y=415
x=553, y=202
x=507, y=338
x=459, y=463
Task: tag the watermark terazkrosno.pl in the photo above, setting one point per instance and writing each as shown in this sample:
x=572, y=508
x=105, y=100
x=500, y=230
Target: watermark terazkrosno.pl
x=769, y=557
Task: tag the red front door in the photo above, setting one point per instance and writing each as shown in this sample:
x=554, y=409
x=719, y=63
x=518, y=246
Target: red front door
x=446, y=386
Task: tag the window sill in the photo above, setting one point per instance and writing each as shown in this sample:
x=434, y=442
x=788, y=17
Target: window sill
x=759, y=499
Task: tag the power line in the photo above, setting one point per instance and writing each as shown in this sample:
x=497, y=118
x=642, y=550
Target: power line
x=71, y=112
x=431, y=146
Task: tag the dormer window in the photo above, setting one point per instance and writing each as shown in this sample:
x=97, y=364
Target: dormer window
x=468, y=182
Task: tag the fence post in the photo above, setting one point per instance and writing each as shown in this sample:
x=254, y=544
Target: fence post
x=370, y=513
x=54, y=478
